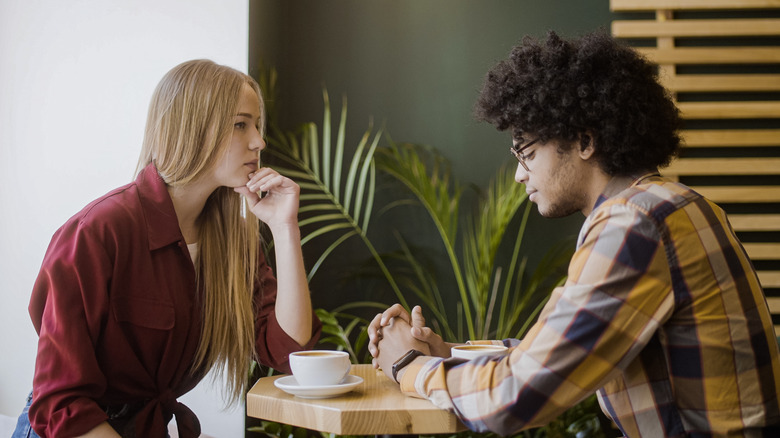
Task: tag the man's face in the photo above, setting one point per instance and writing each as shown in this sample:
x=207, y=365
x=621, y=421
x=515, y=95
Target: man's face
x=553, y=180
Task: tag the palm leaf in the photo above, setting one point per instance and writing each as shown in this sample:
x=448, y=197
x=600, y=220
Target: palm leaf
x=326, y=206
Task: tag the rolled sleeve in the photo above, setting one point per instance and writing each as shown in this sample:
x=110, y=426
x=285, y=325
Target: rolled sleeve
x=68, y=308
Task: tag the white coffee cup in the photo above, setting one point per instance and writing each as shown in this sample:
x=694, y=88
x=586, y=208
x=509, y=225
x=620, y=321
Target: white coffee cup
x=319, y=367
x=474, y=351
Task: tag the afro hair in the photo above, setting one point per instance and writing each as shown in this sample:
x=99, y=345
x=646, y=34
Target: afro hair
x=564, y=89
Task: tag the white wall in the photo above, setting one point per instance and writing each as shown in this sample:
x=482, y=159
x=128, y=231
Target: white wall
x=75, y=82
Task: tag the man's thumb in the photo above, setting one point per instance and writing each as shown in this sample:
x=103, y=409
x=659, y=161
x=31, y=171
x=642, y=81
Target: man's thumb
x=417, y=318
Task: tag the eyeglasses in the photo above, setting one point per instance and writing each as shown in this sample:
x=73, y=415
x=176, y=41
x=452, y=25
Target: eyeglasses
x=518, y=153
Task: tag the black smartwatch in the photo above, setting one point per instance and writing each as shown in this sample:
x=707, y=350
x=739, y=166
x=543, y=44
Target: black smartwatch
x=405, y=360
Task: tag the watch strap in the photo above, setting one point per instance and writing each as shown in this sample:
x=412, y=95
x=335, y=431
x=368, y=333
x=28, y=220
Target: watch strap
x=405, y=360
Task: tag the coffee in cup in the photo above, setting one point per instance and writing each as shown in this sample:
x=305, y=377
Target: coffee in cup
x=319, y=367
x=474, y=351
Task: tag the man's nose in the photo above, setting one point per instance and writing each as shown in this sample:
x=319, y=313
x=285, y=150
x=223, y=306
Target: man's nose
x=521, y=175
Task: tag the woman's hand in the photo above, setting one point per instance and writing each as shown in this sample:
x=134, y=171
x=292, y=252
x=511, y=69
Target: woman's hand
x=279, y=204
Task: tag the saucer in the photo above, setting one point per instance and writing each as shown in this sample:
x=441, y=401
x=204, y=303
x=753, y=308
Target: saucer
x=289, y=385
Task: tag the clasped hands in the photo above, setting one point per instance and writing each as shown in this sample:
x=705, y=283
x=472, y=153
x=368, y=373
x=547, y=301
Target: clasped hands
x=394, y=332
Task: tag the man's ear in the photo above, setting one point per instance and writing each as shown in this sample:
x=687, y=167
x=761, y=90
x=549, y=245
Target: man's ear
x=587, y=145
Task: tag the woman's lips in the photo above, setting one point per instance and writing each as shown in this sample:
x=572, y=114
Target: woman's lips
x=252, y=165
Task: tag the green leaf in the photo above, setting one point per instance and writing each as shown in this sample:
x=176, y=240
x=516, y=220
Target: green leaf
x=323, y=207
x=324, y=230
x=353, y=167
x=339, y=151
x=432, y=190
x=367, y=164
x=326, y=140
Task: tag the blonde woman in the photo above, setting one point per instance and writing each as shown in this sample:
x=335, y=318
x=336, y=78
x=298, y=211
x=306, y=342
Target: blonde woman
x=154, y=284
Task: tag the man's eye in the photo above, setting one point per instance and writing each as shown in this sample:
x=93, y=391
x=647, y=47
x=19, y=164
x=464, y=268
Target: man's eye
x=529, y=156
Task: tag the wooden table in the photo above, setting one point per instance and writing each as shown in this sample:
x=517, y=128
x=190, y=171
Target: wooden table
x=375, y=407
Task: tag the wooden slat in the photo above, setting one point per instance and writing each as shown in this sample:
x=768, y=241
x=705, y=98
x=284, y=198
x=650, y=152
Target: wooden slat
x=774, y=304
x=696, y=28
x=723, y=166
x=769, y=279
x=729, y=110
x=727, y=83
x=728, y=138
x=649, y=5
x=755, y=222
x=763, y=251
x=744, y=194
x=712, y=55
x=774, y=307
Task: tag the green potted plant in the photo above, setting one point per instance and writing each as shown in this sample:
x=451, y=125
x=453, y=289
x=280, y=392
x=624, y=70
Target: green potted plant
x=496, y=296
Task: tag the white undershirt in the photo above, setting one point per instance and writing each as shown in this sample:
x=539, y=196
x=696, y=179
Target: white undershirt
x=193, y=249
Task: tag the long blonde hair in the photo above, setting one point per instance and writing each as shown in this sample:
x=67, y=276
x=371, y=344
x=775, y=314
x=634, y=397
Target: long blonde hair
x=188, y=127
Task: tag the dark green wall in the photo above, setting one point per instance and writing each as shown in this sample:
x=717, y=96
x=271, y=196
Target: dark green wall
x=413, y=65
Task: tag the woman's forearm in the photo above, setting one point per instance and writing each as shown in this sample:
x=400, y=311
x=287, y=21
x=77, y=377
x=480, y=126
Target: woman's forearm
x=293, y=301
x=103, y=430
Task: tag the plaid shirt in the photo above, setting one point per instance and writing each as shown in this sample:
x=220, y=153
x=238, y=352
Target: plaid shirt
x=662, y=314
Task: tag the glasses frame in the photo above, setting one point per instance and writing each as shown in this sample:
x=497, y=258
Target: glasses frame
x=518, y=153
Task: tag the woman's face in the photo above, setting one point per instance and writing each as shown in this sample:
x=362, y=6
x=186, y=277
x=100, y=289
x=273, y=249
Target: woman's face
x=242, y=155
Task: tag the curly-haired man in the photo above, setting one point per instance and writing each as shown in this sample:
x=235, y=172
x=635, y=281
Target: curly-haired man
x=662, y=314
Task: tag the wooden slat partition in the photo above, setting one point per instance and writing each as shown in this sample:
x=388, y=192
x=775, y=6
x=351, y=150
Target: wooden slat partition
x=731, y=150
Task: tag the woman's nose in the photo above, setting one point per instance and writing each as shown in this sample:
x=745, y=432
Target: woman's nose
x=257, y=143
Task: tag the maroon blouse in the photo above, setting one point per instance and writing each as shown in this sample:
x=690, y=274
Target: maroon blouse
x=116, y=309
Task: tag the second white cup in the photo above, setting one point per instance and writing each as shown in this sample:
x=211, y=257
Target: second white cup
x=319, y=367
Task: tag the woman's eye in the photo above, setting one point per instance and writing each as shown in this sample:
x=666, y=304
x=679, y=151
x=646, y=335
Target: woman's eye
x=240, y=125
